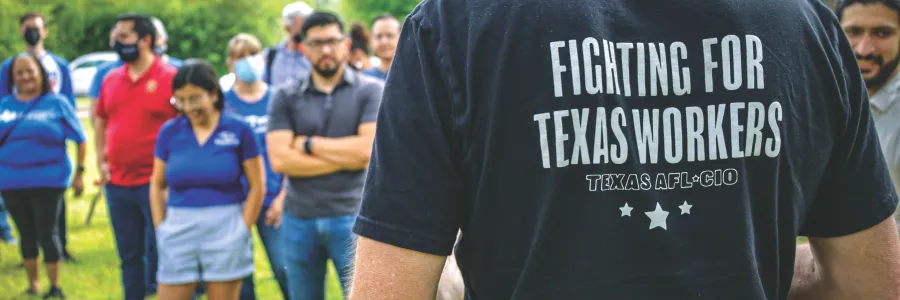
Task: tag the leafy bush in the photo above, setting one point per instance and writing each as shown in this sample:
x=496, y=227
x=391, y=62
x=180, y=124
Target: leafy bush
x=197, y=29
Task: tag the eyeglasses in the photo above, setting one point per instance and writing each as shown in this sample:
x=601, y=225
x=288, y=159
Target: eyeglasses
x=319, y=44
x=190, y=102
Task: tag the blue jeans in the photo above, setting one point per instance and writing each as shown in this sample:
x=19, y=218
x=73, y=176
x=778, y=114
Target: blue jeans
x=129, y=213
x=271, y=240
x=5, y=229
x=308, y=244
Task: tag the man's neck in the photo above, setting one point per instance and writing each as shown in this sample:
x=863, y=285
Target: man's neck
x=386, y=64
x=37, y=50
x=327, y=85
x=141, y=65
x=290, y=45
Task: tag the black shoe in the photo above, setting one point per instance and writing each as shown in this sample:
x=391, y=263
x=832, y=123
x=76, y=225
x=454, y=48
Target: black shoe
x=55, y=292
x=30, y=292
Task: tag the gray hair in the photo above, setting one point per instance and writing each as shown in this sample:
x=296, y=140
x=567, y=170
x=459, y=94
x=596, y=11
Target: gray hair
x=160, y=29
x=294, y=10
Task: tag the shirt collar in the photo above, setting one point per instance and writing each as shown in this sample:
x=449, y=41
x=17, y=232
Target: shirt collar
x=887, y=95
x=350, y=77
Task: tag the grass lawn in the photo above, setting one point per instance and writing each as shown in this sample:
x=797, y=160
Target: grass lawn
x=96, y=274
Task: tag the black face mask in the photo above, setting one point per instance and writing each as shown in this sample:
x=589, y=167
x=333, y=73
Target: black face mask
x=128, y=53
x=32, y=36
x=298, y=38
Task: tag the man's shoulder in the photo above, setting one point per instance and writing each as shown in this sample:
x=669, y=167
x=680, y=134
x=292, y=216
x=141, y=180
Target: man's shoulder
x=367, y=82
x=6, y=62
x=62, y=62
x=288, y=88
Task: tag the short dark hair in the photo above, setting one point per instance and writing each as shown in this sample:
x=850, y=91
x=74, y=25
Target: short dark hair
x=359, y=37
x=45, y=79
x=384, y=16
x=31, y=15
x=201, y=74
x=842, y=4
x=320, y=18
x=142, y=25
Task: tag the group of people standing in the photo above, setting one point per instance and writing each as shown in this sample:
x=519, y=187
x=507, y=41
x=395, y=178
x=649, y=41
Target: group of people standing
x=191, y=162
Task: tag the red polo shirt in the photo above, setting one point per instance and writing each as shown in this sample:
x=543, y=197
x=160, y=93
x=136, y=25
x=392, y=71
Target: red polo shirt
x=134, y=111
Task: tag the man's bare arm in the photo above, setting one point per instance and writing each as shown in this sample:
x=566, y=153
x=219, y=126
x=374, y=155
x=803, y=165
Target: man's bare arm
x=287, y=160
x=351, y=151
x=386, y=272
x=863, y=265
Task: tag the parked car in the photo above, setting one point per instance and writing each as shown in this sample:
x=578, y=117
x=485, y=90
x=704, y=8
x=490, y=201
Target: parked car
x=84, y=67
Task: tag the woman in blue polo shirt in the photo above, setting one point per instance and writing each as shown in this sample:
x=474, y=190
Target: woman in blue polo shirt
x=249, y=98
x=203, y=224
x=34, y=167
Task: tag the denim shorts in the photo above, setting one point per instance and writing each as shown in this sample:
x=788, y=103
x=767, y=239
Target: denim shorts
x=210, y=244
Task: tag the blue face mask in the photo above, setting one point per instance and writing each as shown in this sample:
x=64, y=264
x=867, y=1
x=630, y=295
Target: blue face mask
x=248, y=69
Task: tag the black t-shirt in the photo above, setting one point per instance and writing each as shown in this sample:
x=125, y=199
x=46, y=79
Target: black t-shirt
x=623, y=149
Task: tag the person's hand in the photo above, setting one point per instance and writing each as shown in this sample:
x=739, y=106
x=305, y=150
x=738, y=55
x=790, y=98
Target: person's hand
x=248, y=223
x=102, y=173
x=157, y=221
x=78, y=184
x=273, y=215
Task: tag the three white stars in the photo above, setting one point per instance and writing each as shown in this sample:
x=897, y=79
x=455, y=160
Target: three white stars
x=658, y=216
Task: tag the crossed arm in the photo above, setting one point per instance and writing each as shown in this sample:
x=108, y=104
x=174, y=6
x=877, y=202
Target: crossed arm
x=863, y=265
x=287, y=153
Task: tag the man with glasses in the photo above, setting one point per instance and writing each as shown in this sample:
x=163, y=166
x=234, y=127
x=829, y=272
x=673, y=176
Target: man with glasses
x=320, y=135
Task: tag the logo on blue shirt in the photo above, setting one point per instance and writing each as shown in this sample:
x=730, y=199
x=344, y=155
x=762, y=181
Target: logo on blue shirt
x=227, y=138
x=7, y=116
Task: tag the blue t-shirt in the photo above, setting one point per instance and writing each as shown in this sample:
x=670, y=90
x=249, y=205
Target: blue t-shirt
x=57, y=69
x=34, y=155
x=256, y=115
x=104, y=69
x=375, y=72
x=208, y=174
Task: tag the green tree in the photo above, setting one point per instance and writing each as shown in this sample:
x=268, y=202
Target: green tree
x=366, y=10
x=197, y=29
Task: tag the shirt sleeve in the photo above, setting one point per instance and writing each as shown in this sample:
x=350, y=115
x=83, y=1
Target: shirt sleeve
x=100, y=109
x=4, y=78
x=161, y=151
x=249, y=144
x=97, y=81
x=279, y=111
x=413, y=193
x=373, y=100
x=67, y=89
x=856, y=191
x=72, y=127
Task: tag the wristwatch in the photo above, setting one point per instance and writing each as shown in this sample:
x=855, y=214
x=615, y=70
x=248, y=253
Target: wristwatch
x=79, y=169
x=307, y=145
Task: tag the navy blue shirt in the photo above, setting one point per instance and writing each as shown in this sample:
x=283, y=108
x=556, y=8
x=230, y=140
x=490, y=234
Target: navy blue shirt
x=208, y=174
x=34, y=155
x=256, y=114
x=623, y=149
